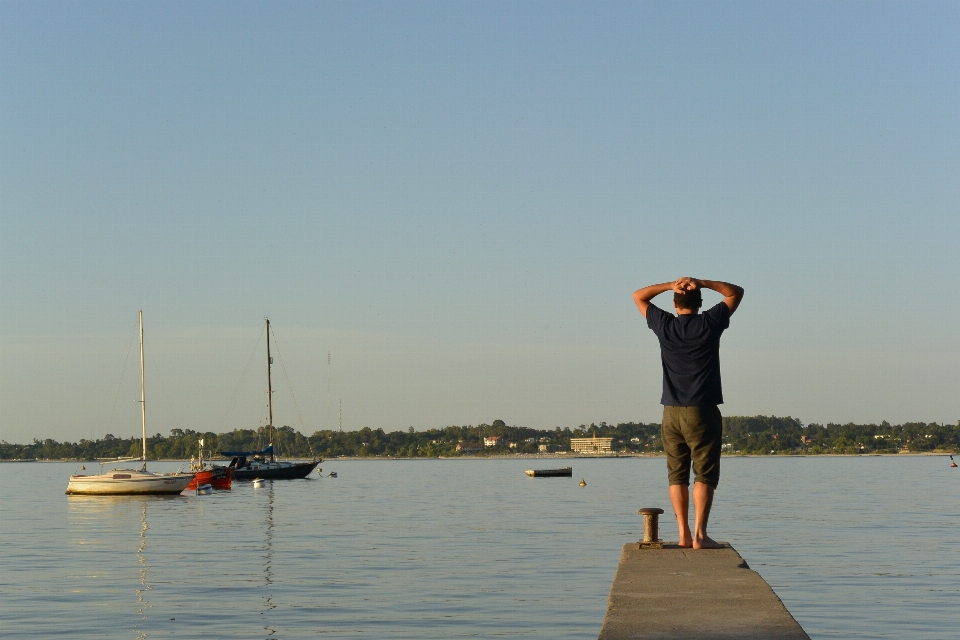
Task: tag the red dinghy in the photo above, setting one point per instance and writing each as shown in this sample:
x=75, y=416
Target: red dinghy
x=216, y=476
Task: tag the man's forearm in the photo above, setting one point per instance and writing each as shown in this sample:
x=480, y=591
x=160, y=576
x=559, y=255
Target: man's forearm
x=732, y=294
x=643, y=296
x=649, y=293
x=723, y=288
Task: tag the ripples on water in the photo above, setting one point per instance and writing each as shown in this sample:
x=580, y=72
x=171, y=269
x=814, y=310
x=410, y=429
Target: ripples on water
x=855, y=547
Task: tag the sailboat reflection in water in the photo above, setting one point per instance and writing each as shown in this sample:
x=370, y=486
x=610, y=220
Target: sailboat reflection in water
x=108, y=525
x=268, y=564
x=142, y=559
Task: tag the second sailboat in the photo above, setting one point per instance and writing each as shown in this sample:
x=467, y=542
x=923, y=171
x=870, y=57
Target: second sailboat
x=250, y=465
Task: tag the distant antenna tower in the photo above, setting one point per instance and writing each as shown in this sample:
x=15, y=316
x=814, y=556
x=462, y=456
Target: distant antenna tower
x=328, y=389
x=341, y=415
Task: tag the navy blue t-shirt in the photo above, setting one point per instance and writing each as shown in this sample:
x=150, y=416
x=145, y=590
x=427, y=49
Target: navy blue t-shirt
x=690, y=352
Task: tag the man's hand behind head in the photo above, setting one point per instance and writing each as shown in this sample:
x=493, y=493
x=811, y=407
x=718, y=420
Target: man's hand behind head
x=685, y=285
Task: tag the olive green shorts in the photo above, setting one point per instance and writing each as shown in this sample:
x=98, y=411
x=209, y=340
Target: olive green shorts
x=692, y=435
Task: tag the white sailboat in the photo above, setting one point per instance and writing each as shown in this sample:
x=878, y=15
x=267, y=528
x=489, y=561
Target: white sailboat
x=131, y=481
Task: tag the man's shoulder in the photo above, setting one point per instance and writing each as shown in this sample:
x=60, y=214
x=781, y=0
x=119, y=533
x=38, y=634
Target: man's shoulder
x=719, y=313
x=656, y=317
x=655, y=311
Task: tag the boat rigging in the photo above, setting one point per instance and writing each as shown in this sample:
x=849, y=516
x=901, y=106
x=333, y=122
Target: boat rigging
x=251, y=465
x=130, y=481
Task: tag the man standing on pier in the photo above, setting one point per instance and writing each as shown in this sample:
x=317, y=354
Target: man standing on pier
x=692, y=428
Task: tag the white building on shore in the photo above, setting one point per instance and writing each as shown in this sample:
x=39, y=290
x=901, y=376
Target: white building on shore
x=592, y=445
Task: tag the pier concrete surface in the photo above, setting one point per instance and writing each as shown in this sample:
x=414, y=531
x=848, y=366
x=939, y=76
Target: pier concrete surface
x=705, y=594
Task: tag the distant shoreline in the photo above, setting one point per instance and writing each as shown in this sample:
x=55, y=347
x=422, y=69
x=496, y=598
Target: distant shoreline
x=649, y=455
x=531, y=456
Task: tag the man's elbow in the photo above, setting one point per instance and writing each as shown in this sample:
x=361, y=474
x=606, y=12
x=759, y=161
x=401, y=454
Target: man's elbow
x=641, y=301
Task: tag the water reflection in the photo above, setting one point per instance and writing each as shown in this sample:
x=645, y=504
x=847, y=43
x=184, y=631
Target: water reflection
x=268, y=562
x=142, y=559
x=96, y=518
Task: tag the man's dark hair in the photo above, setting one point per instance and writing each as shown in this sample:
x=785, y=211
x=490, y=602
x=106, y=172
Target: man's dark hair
x=691, y=300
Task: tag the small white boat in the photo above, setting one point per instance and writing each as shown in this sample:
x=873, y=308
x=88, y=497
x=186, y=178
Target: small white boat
x=333, y=474
x=119, y=482
x=257, y=483
x=204, y=489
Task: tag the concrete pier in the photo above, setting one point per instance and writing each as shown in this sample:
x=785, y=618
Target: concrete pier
x=693, y=594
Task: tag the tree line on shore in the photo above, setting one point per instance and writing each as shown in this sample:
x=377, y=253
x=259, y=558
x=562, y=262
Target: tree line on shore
x=767, y=435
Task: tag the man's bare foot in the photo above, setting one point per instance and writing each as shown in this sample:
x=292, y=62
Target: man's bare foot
x=685, y=543
x=706, y=542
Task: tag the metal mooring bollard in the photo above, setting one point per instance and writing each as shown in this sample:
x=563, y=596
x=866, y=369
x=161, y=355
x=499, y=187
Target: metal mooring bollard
x=651, y=537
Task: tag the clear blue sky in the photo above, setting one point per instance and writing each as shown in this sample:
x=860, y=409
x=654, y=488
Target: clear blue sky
x=456, y=200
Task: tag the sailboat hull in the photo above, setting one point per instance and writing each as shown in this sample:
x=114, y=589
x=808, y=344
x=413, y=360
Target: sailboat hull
x=275, y=470
x=128, y=483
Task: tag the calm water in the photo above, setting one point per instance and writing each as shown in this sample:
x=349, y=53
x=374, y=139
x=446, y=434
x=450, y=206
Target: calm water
x=855, y=547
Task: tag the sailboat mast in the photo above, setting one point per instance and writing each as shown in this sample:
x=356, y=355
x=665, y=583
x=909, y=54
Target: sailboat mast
x=143, y=399
x=269, y=389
